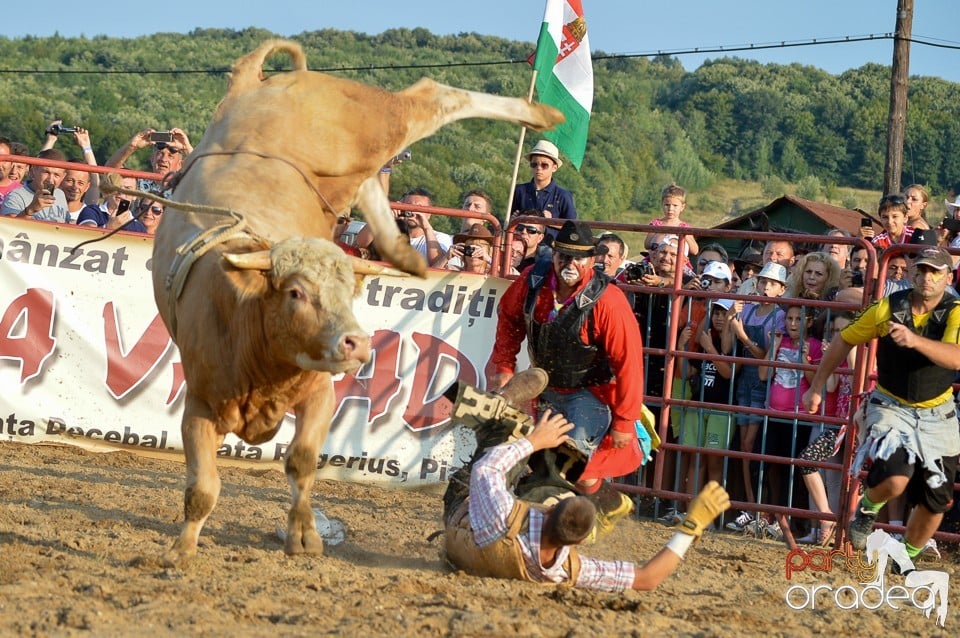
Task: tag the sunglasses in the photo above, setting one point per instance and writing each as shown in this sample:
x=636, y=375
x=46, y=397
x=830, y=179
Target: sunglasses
x=530, y=230
x=540, y=164
x=892, y=199
x=160, y=146
x=156, y=210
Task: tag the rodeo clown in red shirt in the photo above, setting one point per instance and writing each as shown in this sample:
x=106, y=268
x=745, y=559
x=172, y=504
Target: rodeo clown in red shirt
x=583, y=333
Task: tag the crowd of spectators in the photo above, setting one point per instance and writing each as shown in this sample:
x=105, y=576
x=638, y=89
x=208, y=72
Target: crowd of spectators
x=72, y=196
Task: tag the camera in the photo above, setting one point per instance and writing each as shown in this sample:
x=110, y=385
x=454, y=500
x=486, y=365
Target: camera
x=49, y=188
x=58, y=129
x=161, y=136
x=469, y=250
x=706, y=281
x=123, y=206
x=406, y=213
x=857, y=280
x=638, y=270
x=402, y=156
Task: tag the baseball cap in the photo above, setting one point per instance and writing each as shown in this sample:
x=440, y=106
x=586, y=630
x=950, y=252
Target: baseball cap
x=717, y=270
x=774, y=272
x=673, y=240
x=937, y=258
x=726, y=304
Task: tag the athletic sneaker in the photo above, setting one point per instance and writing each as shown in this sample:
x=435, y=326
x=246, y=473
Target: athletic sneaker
x=740, y=523
x=671, y=517
x=756, y=527
x=930, y=550
x=812, y=537
x=773, y=531
x=860, y=527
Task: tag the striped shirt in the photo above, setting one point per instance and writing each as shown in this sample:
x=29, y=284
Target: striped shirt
x=491, y=502
x=883, y=240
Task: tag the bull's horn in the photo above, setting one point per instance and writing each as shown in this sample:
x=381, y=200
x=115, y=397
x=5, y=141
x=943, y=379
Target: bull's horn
x=259, y=260
x=365, y=267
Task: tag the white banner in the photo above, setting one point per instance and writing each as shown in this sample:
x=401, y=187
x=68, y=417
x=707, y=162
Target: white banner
x=85, y=360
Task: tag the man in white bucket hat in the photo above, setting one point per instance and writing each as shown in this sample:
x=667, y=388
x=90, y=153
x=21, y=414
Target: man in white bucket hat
x=541, y=192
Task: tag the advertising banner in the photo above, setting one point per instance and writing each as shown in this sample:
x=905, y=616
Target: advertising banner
x=86, y=360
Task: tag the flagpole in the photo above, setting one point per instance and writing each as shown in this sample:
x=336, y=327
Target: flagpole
x=516, y=161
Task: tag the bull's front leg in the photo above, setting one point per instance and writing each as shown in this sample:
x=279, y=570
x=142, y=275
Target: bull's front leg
x=313, y=423
x=200, y=443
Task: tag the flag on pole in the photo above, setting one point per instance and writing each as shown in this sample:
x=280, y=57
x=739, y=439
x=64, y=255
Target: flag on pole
x=565, y=74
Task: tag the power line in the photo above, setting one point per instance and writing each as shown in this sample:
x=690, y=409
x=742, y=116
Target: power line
x=783, y=44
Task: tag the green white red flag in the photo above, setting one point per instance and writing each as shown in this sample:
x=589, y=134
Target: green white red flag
x=565, y=74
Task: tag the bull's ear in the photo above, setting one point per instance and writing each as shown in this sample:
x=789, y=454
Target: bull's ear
x=365, y=267
x=259, y=260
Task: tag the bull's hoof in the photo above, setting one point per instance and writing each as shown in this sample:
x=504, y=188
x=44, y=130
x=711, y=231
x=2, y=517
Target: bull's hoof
x=176, y=557
x=546, y=117
x=308, y=542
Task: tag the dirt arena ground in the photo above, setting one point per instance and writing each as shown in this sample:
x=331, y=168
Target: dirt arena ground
x=80, y=533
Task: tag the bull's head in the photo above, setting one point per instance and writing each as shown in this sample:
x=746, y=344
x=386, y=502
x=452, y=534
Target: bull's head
x=308, y=312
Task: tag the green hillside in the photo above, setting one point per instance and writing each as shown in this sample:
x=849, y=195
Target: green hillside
x=736, y=133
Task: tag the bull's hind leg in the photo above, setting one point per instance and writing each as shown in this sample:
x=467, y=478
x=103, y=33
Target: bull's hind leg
x=435, y=105
x=313, y=423
x=200, y=443
x=393, y=246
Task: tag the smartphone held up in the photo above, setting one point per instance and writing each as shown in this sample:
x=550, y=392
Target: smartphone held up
x=161, y=136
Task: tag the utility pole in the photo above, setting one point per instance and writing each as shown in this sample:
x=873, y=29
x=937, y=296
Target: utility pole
x=899, y=78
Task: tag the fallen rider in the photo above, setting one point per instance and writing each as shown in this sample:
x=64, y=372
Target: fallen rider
x=491, y=532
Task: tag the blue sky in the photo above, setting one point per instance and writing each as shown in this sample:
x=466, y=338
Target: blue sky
x=615, y=26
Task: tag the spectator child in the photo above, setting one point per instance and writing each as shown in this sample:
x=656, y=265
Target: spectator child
x=711, y=430
x=893, y=217
x=794, y=345
x=673, y=201
x=839, y=390
x=752, y=326
x=684, y=422
x=542, y=192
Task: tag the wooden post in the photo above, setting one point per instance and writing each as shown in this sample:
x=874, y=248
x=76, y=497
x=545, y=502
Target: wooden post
x=899, y=79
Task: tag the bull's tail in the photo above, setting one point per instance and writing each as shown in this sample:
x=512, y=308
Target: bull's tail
x=247, y=72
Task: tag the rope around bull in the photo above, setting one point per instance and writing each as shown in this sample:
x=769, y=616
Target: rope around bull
x=188, y=253
x=239, y=223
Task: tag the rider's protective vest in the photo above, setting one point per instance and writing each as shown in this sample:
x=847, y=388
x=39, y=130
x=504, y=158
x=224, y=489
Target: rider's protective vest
x=555, y=345
x=904, y=372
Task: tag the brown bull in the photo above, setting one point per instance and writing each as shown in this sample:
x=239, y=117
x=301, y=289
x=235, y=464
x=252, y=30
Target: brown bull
x=261, y=315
